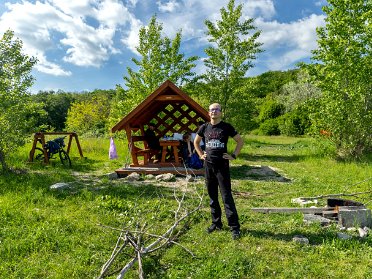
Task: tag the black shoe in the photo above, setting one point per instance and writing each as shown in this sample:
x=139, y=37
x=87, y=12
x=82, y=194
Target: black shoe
x=214, y=227
x=235, y=234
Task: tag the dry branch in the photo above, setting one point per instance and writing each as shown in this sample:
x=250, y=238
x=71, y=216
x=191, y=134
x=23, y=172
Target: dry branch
x=138, y=238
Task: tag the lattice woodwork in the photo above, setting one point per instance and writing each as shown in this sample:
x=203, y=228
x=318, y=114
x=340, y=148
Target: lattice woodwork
x=175, y=118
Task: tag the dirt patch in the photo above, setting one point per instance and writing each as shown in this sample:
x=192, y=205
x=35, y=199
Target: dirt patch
x=266, y=173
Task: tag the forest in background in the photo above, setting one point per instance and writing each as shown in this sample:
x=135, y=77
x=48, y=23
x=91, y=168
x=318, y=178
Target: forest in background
x=88, y=113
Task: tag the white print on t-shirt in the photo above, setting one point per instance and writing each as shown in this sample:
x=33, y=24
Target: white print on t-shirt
x=214, y=144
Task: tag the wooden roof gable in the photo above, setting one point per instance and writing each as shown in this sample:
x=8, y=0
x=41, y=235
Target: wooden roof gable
x=169, y=108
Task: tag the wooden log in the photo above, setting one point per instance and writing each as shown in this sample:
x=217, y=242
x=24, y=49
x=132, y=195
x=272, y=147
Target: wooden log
x=307, y=210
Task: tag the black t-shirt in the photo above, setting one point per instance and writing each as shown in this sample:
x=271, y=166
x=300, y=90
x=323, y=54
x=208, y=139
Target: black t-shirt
x=215, y=138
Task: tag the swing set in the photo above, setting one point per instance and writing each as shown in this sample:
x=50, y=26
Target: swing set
x=51, y=147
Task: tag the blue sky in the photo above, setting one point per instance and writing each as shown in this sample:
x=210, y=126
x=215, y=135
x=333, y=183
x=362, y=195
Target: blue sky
x=88, y=44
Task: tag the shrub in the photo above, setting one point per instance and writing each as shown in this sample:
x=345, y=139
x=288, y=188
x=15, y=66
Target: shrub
x=269, y=128
x=270, y=109
x=294, y=123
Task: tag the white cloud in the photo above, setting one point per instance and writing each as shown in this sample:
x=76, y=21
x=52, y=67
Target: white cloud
x=44, y=66
x=321, y=3
x=262, y=8
x=168, y=7
x=131, y=39
x=86, y=29
x=295, y=39
x=131, y=3
x=191, y=14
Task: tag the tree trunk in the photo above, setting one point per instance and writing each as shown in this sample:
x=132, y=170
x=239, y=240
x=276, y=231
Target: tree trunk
x=2, y=160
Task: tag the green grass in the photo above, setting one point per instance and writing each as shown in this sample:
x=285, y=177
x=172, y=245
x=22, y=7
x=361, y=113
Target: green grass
x=55, y=234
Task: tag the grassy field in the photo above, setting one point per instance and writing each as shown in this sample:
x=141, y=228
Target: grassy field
x=46, y=233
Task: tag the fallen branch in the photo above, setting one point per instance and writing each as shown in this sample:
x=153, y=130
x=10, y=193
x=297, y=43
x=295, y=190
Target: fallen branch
x=137, y=238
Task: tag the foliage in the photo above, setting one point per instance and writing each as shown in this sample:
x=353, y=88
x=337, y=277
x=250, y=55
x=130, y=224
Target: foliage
x=229, y=57
x=270, y=127
x=271, y=82
x=270, y=109
x=159, y=60
x=16, y=107
x=296, y=99
x=177, y=68
x=89, y=116
x=294, y=123
x=299, y=93
x=344, y=76
x=245, y=107
x=56, y=105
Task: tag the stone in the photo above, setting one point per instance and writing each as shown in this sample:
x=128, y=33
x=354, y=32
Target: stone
x=363, y=232
x=302, y=202
x=354, y=217
x=134, y=176
x=190, y=178
x=300, y=239
x=343, y=236
x=112, y=176
x=59, y=186
x=149, y=177
x=165, y=177
x=312, y=218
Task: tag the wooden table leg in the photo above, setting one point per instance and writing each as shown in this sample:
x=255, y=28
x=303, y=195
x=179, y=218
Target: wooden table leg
x=163, y=154
x=175, y=153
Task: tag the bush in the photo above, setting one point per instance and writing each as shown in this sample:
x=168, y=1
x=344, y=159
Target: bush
x=294, y=123
x=270, y=109
x=269, y=128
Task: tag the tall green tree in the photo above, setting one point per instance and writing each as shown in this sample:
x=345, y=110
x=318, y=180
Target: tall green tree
x=343, y=73
x=56, y=105
x=160, y=59
x=233, y=48
x=89, y=116
x=16, y=106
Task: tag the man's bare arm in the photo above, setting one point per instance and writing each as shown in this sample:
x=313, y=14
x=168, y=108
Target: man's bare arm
x=239, y=145
x=198, y=149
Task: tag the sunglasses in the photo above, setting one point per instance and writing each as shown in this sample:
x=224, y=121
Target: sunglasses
x=214, y=109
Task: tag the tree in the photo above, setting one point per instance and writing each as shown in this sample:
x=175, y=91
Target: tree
x=56, y=105
x=15, y=104
x=89, y=116
x=160, y=60
x=270, y=82
x=299, y=93
x=230, y=56
x=343, y=72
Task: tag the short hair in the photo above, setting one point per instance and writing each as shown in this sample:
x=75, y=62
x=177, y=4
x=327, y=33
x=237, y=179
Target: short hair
x=186, y=135
x=216, y=104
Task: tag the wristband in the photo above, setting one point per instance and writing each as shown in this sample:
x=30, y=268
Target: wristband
x=233, y=155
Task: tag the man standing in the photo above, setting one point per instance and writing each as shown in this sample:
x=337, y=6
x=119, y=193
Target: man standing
x=217, y=170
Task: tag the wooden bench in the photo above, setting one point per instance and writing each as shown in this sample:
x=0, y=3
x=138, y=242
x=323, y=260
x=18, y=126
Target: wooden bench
x=137, y=151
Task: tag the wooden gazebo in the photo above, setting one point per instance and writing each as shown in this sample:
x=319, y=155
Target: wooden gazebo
x=171, y=111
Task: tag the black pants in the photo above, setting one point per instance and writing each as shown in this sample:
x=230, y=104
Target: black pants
x=217, y=176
